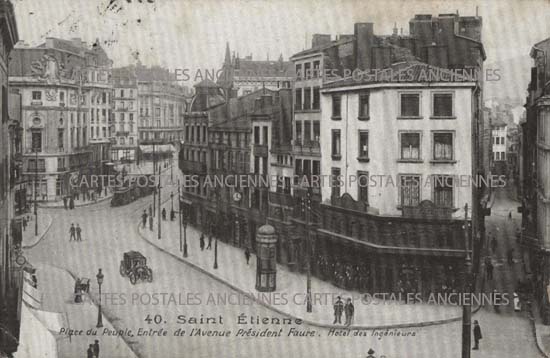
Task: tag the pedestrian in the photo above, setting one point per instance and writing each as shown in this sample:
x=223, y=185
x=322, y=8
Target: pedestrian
x=96, y=348
x=510, y=256
x=78, y=233
x=201, y=242
x=172, y=215
x=164, y=214
x=510, y=215
x=477, y=334
x=489, y=269
x=71, y=203
x=65, y=202
x=90, y=351
x=349, y=310
x=72, y=232
x=338, y=310
x=247, y=255
x=144, y=218
x=151, y=223
x=24, y=223
x=209, y=247
x=494, y=245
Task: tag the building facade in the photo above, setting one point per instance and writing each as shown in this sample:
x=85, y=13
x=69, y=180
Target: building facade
x=65, y=101
x=162, y=104
x=246, y=75
x=500, y=145
x=125, y=115
x=11, y=276
x=399, y=155
x=536, y=177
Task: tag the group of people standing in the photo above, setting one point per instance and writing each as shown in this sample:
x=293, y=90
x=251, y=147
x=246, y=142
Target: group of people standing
x=93, y=350
x=75, y=233
x=347, y=309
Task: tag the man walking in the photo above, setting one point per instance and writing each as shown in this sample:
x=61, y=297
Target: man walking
x=65, y=202
x=78, y=233
x=489, y=268
x=201, y=242
x=477, y=335
x=209, y=247
x=96, y=348
x=163, y=214
x=90, y=351
x=338, y=310
x=144, y=218
x=247, y=255
x=72, y=233
x=349, y=310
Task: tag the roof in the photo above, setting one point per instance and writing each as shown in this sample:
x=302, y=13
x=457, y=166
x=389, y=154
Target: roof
x=406, y=72
x=322, y=47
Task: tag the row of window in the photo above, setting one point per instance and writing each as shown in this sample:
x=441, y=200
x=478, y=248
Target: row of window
x=409, y=188
x=409, y=145
x=409, y=105
x=308, y=70
x=498, y=140
x=307, y=98
x=498, y=156
x=234, y=139
x=264, y=137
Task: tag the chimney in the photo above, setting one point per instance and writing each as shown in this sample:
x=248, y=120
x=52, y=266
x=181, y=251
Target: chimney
x=364, y=40
x=319, y=40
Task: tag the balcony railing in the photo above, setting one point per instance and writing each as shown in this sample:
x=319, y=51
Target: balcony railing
x=307, y=147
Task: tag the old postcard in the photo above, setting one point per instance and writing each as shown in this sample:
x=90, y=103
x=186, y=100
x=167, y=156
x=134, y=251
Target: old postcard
x=274, y=178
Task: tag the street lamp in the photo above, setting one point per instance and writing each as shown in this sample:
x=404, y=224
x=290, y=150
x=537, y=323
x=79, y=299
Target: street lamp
x=99, y=315
x=35, y=194
x=158, y=198
x=172, y=200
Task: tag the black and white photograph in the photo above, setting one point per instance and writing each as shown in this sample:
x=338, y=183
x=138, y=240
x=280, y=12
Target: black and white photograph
x=275, y=178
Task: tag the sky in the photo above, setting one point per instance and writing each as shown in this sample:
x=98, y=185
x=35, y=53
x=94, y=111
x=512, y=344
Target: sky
x=192, y=34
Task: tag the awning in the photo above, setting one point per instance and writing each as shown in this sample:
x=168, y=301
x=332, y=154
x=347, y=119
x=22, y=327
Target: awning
x=160, y=148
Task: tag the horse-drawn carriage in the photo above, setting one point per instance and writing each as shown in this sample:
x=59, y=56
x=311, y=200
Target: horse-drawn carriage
x=134, y=265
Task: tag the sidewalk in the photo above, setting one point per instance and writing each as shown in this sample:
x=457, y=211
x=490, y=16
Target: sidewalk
x=57, y=287
x=234, y=272
x=44, y=223
x=77, y=203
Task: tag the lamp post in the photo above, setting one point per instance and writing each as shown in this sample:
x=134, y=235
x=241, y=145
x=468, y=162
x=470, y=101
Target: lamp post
x=99, y=315
x=35, y=194
x=172, y=199
x=308, y=256
x=216, y=238
x=466, y=308
x=158, y=198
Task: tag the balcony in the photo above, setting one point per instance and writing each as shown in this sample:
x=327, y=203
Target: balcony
x=307, y=148
x=389, y=234
x=260, y=150
x=122, y=133
x=189, y=167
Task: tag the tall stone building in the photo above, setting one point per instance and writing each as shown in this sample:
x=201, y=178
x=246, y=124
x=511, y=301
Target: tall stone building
x=10, y=273
x=65, y=90
x=125, y=115
x=536, y=176
x=334, y=137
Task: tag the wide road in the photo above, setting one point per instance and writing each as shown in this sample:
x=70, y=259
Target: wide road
x=109, y=232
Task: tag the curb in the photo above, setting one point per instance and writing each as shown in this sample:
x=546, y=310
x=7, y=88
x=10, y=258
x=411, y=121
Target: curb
x=37, y=241
x=286, y=314
x=109, y=318
x=539, y=345
x=76, y=206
